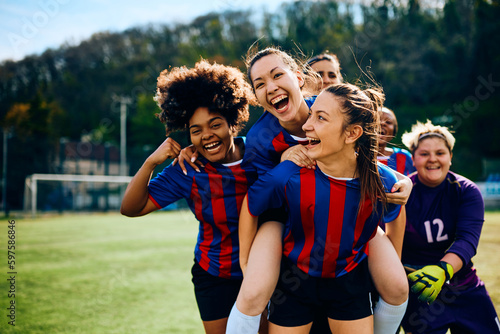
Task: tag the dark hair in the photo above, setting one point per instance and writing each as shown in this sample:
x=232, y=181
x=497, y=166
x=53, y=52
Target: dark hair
x=219, y=88
x=390, y=111
x=311, y=78
x=361, y=107
x=329, y=57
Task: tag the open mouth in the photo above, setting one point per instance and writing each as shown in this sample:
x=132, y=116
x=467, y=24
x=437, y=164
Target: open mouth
x=212, y=146
x=280, y=102
x=313, y=141
x=433, y=168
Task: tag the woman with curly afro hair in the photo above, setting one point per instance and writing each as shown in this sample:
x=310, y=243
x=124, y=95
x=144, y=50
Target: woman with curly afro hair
x=211, y=102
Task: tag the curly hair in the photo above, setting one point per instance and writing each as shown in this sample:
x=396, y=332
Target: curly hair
x=221, y=89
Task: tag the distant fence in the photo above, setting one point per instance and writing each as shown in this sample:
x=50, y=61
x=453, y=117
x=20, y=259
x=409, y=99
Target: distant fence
x=491, y=194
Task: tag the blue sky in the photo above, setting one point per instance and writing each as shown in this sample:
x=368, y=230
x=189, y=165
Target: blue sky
x=30, y=27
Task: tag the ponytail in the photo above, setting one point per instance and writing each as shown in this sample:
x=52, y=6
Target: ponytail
x=361, y=107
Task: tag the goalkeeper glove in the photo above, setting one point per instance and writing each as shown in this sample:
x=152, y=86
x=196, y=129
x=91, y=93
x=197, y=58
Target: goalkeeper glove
x=428, y=281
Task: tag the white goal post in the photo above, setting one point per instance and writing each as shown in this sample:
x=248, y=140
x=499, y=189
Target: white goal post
x=31, y=184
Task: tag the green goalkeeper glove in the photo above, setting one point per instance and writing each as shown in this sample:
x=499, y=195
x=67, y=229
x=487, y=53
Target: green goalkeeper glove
x=429, y=280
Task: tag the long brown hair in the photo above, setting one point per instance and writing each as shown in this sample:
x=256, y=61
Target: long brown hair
x=361, y=107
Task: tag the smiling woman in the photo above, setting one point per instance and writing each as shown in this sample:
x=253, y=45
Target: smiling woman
x=211, y=102
x=445, y=218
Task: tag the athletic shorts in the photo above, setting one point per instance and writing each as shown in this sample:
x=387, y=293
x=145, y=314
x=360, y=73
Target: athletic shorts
x=278, y=214
x=298, y=296
x=458, y=308
x=215, y=296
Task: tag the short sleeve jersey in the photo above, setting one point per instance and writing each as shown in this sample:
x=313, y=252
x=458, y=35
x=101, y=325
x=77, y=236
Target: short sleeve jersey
x=215, y=196
x=447, y=218
x=324, y=236
x=400, y=160
x=267, y=139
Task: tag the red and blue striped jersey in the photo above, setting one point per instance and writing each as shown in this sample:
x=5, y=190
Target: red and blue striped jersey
x=267, y=140
x=324, y=236
x=400, y=160
x=214, y=195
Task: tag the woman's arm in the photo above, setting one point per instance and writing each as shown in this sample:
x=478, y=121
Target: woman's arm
x=454, y=260
x=136, y=200
x=395, y=230
x=247, y=230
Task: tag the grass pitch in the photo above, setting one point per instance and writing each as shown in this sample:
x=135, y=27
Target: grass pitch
x=105, y=273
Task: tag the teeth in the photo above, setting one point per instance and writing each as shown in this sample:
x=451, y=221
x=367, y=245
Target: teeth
x=433, y=168
x=278, y=99
x=211, y=145
x=313, y=140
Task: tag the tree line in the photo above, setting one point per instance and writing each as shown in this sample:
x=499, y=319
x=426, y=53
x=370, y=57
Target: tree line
x=440, y=63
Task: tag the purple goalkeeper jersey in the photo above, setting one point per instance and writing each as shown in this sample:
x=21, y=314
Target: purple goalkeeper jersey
x=325, y=235
x=444, y=219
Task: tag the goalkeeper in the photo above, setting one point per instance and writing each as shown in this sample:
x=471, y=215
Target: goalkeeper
x=445, y=214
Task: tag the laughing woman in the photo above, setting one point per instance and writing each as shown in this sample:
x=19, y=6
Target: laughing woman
x=333, y=212
x=277, y=80
x=211, y=102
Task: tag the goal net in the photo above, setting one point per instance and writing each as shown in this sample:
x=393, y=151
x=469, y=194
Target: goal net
x=67, y=192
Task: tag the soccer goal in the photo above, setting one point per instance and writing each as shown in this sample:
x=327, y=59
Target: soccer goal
x=68, y=192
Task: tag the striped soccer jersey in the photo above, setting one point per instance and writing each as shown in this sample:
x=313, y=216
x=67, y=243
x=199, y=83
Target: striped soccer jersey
x=400, y=160
x=214, y=195
x=324, y=235
x=267, y=139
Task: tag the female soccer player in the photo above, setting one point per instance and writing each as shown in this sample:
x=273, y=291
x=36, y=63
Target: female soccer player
x=211, y=102
x=333, y=211
x=396, y=158
x=444, y=221
x=328, y=67
x=276, y=79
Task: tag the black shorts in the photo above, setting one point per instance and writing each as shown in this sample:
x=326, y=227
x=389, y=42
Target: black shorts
x=277, y=214
x=299, y=296
x=215, y=296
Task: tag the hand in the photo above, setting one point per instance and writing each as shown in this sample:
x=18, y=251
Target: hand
x=169, y=149
x=190, y=155
x=400, y=192
x=298, y=155
x=428, y=281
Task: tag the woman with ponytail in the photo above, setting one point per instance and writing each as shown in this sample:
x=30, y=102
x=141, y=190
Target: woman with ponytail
x=333, y=212
x=276, y=79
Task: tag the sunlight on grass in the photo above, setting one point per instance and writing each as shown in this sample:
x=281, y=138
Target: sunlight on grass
x=105, y=273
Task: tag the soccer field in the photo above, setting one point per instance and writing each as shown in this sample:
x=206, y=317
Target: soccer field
x=105, y=273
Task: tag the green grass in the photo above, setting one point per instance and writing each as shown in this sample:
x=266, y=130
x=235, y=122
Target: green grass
x=102, y=274
x=112, y=274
